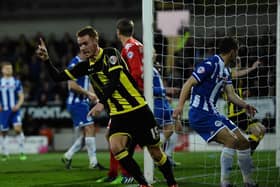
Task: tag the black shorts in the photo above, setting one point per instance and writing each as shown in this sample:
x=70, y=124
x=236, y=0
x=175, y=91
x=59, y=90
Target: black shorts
x=140, y=125
x=243, y=120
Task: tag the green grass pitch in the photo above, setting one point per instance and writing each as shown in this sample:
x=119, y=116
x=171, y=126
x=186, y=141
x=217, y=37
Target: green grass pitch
x=197, y=169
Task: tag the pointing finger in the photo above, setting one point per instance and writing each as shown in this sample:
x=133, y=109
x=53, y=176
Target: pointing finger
x=42, y=43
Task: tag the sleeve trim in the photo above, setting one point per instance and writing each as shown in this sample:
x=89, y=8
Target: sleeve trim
x=115, y=67
x=69, y=74
x=196, y=77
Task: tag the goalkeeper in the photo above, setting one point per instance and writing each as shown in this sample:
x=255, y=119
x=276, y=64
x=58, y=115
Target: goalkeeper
x=238, y=115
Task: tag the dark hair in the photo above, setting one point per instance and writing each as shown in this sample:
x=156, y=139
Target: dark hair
x=227, y=44
x=88, y=30
x=125, y=27
x=6, y=63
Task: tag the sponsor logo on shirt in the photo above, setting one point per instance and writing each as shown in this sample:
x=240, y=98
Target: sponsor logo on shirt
x=218, y=123
x=130, y=54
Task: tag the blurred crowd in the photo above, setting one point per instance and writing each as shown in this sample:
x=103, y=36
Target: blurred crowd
x=260, y=82
x=39, y=88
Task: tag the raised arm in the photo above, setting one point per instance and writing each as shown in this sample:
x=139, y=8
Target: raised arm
x=78, y=71
x=241, y=72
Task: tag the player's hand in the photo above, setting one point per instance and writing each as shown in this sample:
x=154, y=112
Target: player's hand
x=42, y=51
x=177, y=113
x=92, y=97
x=256, y=64
x=96, y=110
x=15, y=108
x=1, y=109
x=178, y=126
x=251, y=110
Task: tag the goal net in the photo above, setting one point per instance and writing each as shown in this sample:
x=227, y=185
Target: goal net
x=186, y=32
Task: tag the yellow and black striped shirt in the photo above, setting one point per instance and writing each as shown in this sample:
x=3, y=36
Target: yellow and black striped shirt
x=110, y=79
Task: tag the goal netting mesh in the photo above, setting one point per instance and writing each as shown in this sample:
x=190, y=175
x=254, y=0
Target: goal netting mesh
x=188, y=31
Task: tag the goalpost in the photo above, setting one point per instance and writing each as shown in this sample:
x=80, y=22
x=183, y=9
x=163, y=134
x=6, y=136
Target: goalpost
x=147, y=12
x=193, y=29
x=278, y=88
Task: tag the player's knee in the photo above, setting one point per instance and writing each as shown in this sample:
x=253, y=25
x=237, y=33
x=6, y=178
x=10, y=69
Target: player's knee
x=258, y=131
x=89, y=130
x=263, y=129
x=17, y=129
x=156, y=153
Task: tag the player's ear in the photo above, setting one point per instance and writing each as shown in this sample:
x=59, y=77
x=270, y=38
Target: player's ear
x=232, y=53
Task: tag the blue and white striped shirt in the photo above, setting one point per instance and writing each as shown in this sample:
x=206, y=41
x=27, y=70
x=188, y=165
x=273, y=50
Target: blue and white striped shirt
x=212, y=76
x=159, y=89
x=10, y=88
x=74, y=97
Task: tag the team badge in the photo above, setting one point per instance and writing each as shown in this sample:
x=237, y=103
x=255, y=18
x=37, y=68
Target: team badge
x=89, y=118
x=113, y=60
x=209, y=63
x=200, y=70
x=218, y=123
x=130, y=54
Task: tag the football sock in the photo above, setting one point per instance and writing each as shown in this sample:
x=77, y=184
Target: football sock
x=77, y=132
x=171, y=144
x=131, y=166
x=91, y=149
x=20, y=141
x=226, y=163
x=114, y=166
x=1, y=143
x=74, y=148
x=162, y=138
x=5, y=150
x=246, y=165
x=165, y=167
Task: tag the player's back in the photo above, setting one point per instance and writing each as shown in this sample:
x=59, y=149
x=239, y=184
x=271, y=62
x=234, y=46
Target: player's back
x=132, y=47
x=159, y=89
x=132, y=53
x=10, y=88
x=211, y=75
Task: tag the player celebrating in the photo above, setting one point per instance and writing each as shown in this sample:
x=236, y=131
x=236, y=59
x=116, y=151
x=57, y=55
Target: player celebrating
x=78, y=107
x=117, y=90
x=205, y=85
x=11, y=99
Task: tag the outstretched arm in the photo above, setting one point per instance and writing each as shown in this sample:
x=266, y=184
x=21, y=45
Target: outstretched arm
x=239, y=73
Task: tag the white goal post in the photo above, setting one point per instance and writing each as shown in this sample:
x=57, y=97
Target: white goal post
x=278, y=88
x=250, y=21
x=147, y=18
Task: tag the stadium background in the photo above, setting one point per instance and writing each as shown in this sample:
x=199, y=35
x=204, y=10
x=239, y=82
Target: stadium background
x=23, y=22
